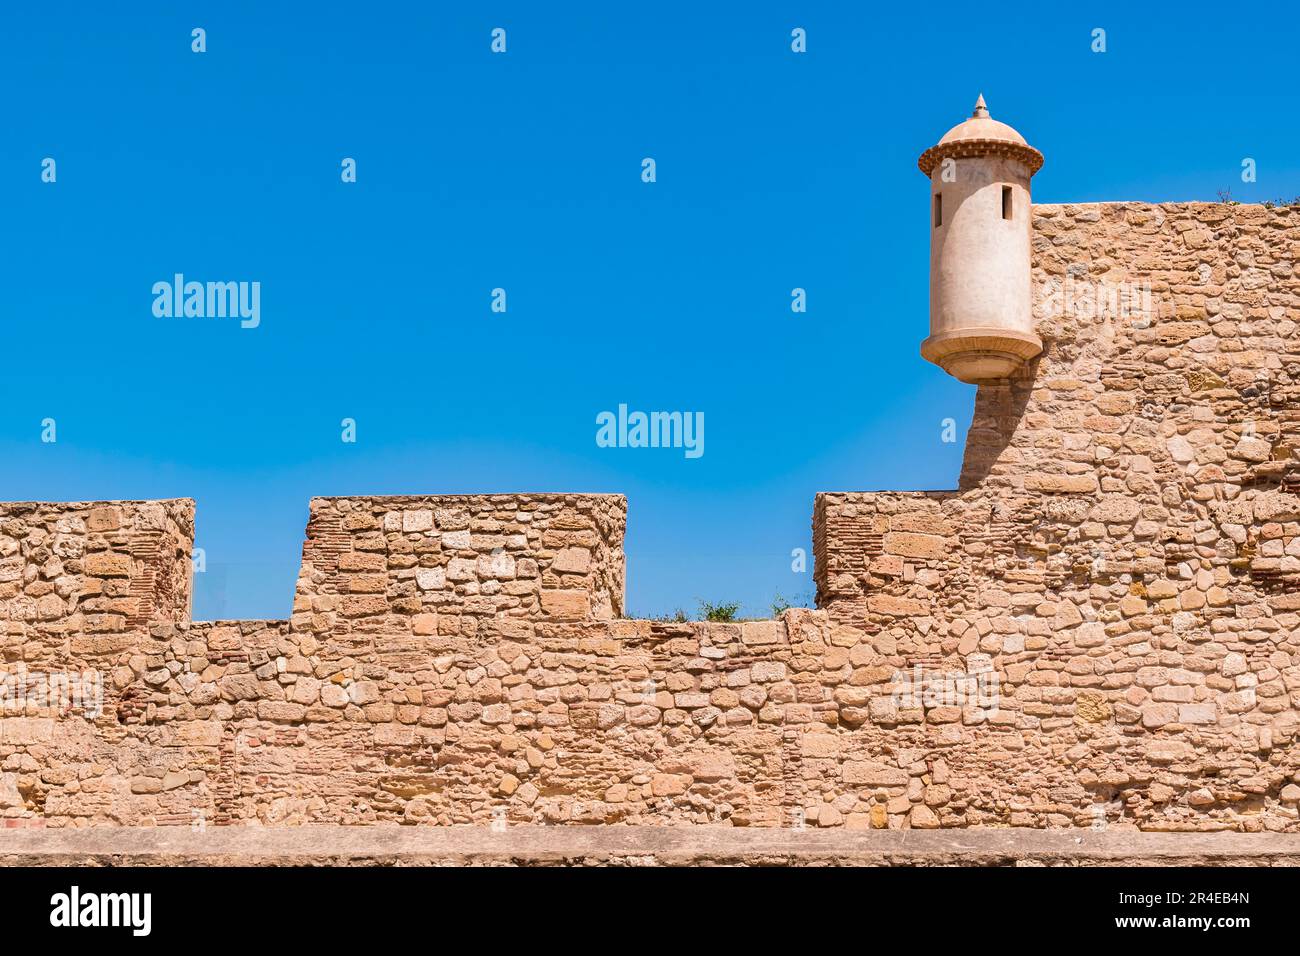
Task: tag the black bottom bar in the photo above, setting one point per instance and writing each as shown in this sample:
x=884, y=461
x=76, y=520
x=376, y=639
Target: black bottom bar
x=588, y=906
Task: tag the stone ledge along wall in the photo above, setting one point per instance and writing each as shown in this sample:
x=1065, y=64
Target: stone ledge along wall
x=1118, y=566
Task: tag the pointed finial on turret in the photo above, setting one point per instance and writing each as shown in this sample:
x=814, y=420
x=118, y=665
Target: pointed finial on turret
x=981, y=111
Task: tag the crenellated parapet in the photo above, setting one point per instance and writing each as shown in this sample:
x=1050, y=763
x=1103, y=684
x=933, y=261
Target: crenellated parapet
x=1099, y=626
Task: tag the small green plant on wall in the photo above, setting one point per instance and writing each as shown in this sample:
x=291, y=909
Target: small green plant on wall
x=781, y=604
x=718, y=612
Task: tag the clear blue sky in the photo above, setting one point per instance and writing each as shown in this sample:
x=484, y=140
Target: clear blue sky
x=522, y=171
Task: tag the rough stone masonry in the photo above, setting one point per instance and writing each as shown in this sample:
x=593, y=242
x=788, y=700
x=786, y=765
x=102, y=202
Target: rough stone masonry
x=1122, y=554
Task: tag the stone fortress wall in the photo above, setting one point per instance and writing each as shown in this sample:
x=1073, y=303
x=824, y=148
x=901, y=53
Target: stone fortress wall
x=1118, y=567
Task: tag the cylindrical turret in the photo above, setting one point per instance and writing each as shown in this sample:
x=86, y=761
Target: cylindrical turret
x=981, y=321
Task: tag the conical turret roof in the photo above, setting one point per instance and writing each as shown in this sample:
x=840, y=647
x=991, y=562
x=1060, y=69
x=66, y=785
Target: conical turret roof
x=981, y=135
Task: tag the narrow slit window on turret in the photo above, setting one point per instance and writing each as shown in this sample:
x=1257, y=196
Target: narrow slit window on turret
x=938, y=210
x=1006, y=202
